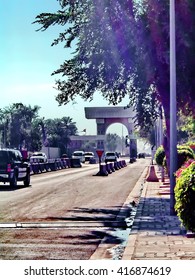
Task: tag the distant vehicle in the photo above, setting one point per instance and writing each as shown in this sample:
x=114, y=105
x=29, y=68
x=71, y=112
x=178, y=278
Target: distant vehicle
x=79, y=155
x=64, y=156
x=13, y=167
x=88, y=156
x=38, y=157
x=110, y=156
x=141, y=155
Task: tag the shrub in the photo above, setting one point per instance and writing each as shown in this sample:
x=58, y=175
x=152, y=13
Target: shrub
x=185, y=197
x=160, y=155
x=183, y=167
x=183, y=154
x=186, y=147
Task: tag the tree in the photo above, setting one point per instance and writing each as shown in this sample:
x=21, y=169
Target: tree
x=58, y=132
x=16, y=124
x=186, y=128
x=122, y=48
x=112, y=141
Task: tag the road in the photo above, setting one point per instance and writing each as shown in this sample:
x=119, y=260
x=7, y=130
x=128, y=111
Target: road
x=63, y=214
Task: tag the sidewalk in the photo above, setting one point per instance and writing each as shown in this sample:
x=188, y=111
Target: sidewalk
x=155, y=234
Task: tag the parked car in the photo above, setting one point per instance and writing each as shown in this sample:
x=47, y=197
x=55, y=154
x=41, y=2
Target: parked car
x=88, y=156
x=110, y=156
x=38, y=157
x=79, y=155
x=13, y=167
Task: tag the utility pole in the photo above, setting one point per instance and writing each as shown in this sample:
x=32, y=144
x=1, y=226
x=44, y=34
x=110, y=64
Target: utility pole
x=173, y=108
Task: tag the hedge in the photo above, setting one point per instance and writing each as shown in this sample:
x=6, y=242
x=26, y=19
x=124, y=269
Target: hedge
x=185, y=196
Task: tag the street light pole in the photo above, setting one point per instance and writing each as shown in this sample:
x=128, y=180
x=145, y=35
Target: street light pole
x=173, y=108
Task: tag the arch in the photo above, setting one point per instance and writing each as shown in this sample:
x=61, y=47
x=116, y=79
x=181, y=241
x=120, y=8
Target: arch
x=105, y=116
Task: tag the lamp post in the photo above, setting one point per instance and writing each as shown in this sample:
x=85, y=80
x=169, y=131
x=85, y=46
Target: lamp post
x=173, y=108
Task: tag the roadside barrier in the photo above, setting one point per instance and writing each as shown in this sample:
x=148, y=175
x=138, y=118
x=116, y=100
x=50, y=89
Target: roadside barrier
x=35, y=168
x=68, y=164
x=62, y=163
x=124, y=163
x=41, y=167
x=112, y=166
x=108, y=168
x=51, y=165
x=75, y=162
x=92, y=161
x=116, y=167
x=102, y=171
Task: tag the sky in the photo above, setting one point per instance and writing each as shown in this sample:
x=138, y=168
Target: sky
x=27, y=61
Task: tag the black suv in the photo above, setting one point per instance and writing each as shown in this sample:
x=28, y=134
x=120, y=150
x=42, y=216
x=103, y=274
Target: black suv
x=13, y=168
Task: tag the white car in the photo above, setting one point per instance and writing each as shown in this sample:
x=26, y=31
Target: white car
x=110, y=156
x=88, y=156
x=79, y=155
x=38, y=157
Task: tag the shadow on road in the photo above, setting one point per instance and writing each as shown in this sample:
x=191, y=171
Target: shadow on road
x=103, y=219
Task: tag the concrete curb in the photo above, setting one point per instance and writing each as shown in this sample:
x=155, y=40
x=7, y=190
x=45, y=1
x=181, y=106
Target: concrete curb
x=129, y=250
x=103, y=251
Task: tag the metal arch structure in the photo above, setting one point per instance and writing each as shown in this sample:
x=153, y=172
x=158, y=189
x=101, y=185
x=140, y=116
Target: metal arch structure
x=105, y=116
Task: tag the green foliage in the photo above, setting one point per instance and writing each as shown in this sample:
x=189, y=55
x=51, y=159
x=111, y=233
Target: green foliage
x=160, y=155
x=112, y=141
x=184, y=153
x=58, y=132
x=185, y=197
x=16, y=123
x=122, y=49
x=186, y=128
x=21, y=126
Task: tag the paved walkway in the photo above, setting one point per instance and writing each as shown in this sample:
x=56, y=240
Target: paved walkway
x=155, y=233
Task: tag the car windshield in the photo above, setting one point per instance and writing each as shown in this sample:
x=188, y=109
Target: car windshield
x=77, y=154
x=88, y=154
x=110, y=154
x=37, y=155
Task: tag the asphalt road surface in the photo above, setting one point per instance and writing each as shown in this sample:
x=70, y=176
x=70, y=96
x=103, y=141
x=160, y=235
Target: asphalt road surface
x=63, y=214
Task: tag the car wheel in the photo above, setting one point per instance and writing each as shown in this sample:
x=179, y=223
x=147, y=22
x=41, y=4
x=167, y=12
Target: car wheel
x=27, y=180
x=13, y=181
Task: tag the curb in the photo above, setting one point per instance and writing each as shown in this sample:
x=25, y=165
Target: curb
x=130, y=247
x=103, y=251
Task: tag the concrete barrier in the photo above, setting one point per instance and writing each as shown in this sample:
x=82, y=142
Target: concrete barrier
x=108, y=168
x=112, y=166
x=35, y=168
x=124, y=163
x=52, y=166
x=41, y=167
x=75, y=162
x=116, y=167
x=47, y=167
x=102, y=171
x=68, y=164
x=63, y=163
x=92, y=161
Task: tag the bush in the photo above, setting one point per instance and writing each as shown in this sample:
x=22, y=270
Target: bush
x=185, y=197
x=186, y=147
x=183, y=167
x=184, y=153
x=160, y=155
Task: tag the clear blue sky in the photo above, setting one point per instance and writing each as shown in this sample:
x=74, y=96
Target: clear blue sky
x=27, y=61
